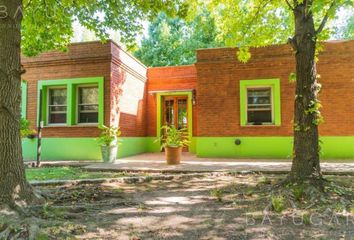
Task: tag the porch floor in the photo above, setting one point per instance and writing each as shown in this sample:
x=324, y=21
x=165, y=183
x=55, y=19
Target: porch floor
x=155, y=162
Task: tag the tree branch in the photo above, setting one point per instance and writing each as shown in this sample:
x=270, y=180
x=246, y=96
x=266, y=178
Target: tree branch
x=290, y=6
x=325, y=19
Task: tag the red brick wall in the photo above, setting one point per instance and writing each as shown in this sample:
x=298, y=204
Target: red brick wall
x=82, y=60
x=218, y=97
x=168, y=78
x=128, y=93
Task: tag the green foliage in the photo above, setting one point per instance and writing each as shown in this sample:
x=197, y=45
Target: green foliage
x=109, y=135
x=298, y=192
x=258, y=23
x=25, y=129
x=314, y=107
x=345, y=30
x=48, y=24
x=278, y=203
x=173, y=41
x=173, y=137
x=217, y=193
x=292, y=77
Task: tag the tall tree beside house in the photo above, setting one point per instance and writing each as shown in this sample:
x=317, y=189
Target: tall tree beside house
x=38, y=26
x=301, y=23
x=173, y=41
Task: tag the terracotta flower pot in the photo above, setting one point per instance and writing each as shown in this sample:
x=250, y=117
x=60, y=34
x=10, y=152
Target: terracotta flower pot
x=173, y=155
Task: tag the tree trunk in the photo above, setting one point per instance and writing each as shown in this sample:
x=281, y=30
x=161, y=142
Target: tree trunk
x=13, y=185
x=306, y=162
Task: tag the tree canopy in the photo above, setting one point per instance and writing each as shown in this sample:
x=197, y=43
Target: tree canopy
x=48, y=24
x=173, y=41
x=257, y=23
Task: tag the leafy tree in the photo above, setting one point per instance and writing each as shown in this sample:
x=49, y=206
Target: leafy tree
x=346, y=29
x=173, y=41
x=256, y=23
x=41, y=25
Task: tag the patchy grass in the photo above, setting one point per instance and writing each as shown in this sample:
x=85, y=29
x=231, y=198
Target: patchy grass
x=67, y=173
x=215, y=206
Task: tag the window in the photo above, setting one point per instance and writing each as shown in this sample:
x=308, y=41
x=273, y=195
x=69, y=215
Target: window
x=259, y=106
x=72, y=101
x=88, y=104
x=260, y=102
x=57, y=105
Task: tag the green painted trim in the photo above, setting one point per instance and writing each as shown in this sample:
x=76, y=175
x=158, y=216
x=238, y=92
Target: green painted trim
x=274, y=84
x=337, y=147
x=333, y=147
x=250, y=147
x=85, y=148
x=71, y=85
x=159, y=111
x=71, y=107
x=23, y=99
x=193, y=145
x=70, y=149
x=151, y=145
x=130, y=146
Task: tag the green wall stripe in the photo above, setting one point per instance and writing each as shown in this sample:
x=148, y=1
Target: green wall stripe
x=85, y=148
x=63, y=149
x=130, y=146
x=270, y=147
x=251, y=147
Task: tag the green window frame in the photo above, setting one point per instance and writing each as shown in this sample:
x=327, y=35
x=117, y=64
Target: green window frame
x=72, y=100
x=274, y=84
x=23, y=99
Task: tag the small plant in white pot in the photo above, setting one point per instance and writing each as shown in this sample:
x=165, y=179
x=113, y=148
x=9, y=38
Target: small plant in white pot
x=108, y=140
x=173, y=140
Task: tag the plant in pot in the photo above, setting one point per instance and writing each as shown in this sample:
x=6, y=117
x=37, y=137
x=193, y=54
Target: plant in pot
x=173, y=140
x=109, y=142
x=25, y=130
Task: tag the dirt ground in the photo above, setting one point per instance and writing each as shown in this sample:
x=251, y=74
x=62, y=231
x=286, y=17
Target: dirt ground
x=216, y=206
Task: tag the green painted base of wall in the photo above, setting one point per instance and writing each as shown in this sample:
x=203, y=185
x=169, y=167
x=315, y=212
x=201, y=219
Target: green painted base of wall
x=270, y=147
x=130, y=146
x=250, y=147
x=62, y=149
x=84, y=148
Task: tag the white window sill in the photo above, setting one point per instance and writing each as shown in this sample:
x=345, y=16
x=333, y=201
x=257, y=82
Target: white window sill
x=264, y=125
x=73, y=126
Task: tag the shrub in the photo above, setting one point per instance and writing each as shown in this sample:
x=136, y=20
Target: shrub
x=217, y=193
x=298, y=192
x=278, y=203
x=25, y=129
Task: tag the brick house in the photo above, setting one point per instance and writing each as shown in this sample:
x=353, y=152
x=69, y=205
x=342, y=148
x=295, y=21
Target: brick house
x=231, y=109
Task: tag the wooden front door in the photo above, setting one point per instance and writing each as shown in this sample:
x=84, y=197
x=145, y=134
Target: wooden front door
x=175, y=112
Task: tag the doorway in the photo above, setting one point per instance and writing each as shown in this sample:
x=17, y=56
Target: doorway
x=175, y=112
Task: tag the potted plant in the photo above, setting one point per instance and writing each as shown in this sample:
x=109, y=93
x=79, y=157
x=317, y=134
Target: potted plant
x=173, y=140
x=25, y=130
x=108, y=140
